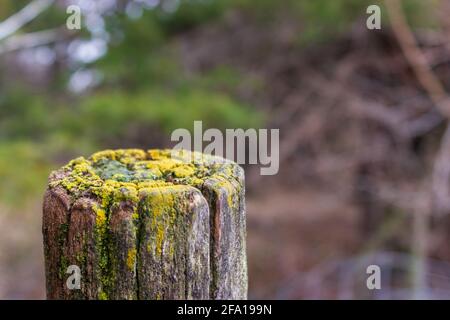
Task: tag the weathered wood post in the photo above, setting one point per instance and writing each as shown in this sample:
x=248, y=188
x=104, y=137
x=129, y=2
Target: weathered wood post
x=156, y=224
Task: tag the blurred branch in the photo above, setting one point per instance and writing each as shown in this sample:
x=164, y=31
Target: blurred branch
x=416, y=58
x=424, y=124
x=34, y=39
x=18, y=20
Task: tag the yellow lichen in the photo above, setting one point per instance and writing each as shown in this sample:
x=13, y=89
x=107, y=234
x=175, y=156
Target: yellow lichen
x=108, y=154
x=127, y=156
x=135, y=215
x=229, y=190
x=100, y=218
x=131, y=258
x=183, y=171
x=159, y=239
x=102, y=295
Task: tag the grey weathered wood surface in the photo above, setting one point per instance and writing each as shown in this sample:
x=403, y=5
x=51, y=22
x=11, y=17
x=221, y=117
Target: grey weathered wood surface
x=170, y=242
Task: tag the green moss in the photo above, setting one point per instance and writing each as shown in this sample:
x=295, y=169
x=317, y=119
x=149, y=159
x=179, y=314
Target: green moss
x=62, y=236
x=64, y=263
x=63, y=229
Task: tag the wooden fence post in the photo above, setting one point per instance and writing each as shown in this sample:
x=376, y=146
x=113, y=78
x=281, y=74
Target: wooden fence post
x=156, y=224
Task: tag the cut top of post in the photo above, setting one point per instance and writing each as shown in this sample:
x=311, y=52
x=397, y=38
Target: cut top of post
x=123, y=173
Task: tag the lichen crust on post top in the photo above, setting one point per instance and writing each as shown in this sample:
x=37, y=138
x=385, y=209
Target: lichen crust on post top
x=155, y=224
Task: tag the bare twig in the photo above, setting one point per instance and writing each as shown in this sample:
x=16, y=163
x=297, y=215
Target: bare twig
x=25, y=15
x=416, y=58
x=31, y=40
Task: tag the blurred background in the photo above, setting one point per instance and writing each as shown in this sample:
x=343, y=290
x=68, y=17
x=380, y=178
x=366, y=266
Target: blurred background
x=363, y=116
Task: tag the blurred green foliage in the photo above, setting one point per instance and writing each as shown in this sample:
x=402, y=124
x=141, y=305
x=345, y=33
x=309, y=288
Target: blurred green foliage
x=23, y=171
x=109, y=114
